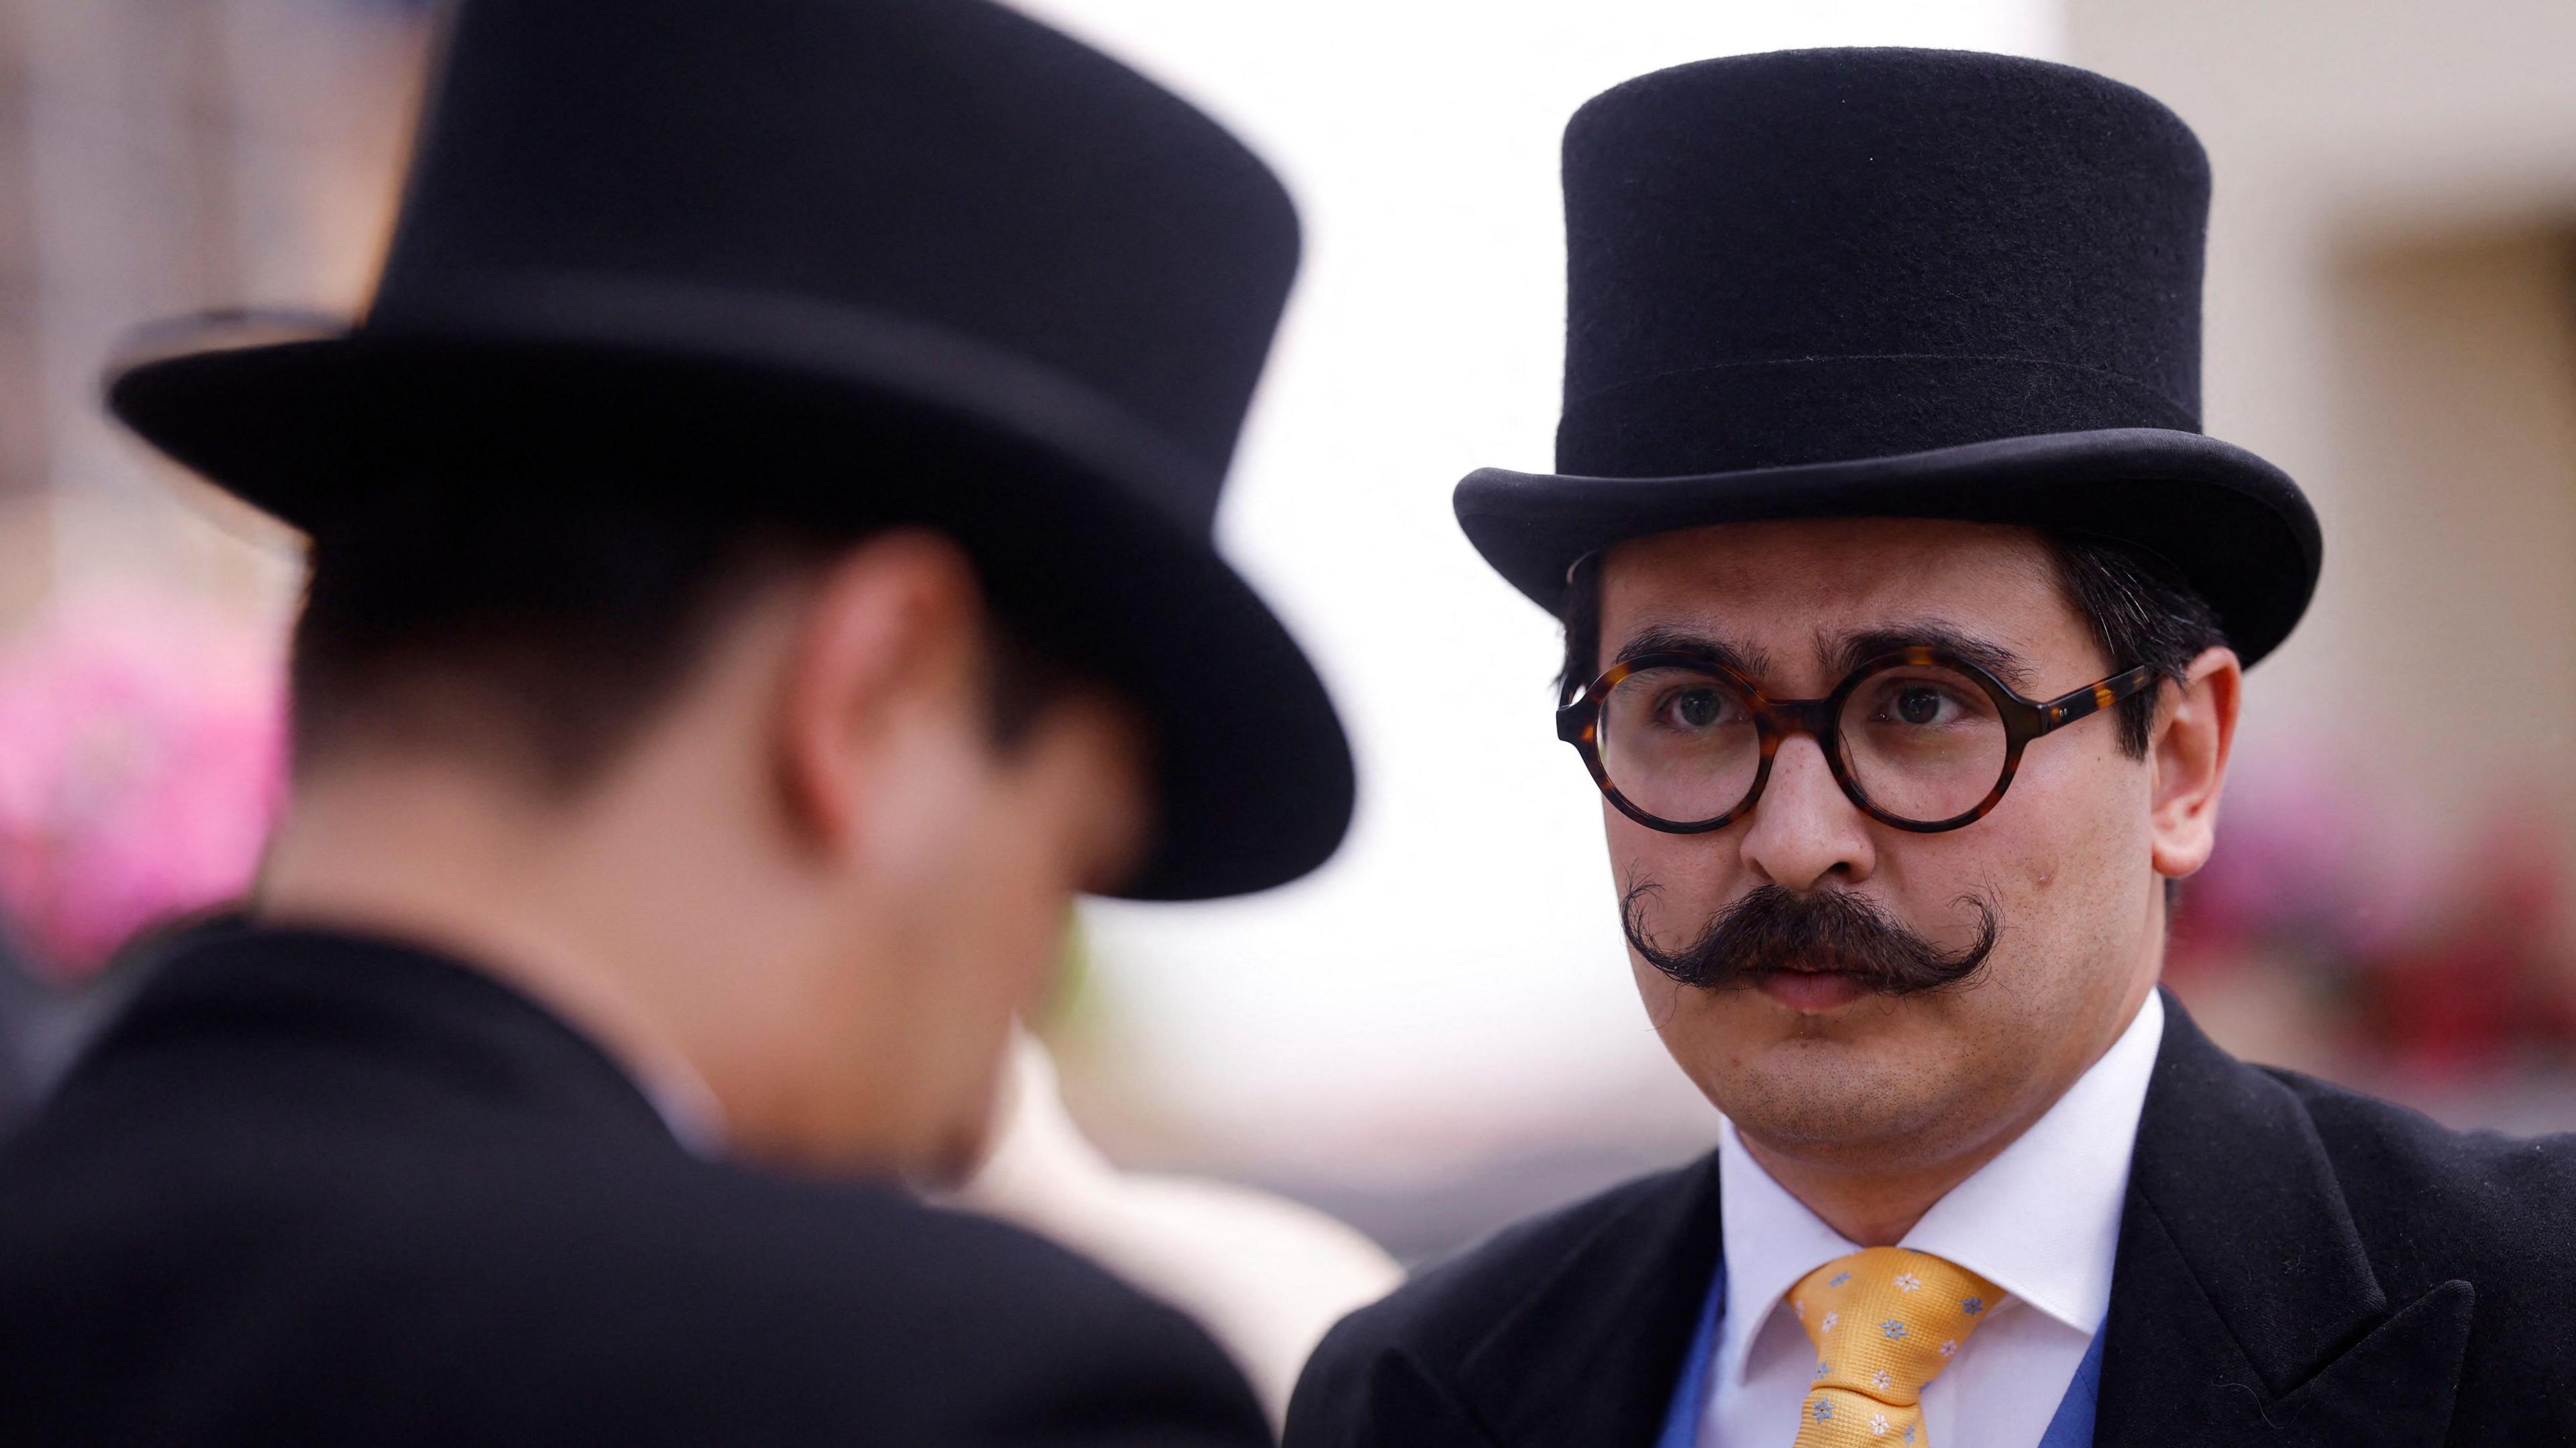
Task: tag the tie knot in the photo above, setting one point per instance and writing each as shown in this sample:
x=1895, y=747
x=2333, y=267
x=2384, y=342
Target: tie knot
x=1887, y=1320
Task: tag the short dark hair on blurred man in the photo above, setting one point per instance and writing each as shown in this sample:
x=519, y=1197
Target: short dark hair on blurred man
x=761, y=572
x=552, y=645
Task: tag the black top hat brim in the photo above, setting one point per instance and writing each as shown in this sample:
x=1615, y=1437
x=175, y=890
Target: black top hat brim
x=2232, y=525
x=1068, y=512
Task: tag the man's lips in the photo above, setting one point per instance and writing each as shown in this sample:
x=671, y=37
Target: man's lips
x=1811, y=991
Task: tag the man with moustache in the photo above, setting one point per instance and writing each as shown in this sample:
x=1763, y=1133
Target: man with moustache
x=1906, y=611
x=760, y=571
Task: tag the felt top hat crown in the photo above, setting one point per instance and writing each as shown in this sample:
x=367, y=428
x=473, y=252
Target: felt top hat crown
x=1896, y=283
x=927, y=258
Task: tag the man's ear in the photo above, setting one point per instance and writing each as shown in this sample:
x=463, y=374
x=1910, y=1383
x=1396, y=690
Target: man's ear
x=2189, y=759
x=889, y=645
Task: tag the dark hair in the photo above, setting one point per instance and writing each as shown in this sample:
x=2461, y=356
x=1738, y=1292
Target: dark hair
x=543, y=621
x=2139, y=609
x=2142, y=613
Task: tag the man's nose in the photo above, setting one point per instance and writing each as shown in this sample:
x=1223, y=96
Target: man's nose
x=1805, y=831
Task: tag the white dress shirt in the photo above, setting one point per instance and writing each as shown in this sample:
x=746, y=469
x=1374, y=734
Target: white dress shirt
x=2041, y=1221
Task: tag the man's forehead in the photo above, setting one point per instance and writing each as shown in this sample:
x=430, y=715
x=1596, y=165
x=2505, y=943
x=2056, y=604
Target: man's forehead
x=1837, y=553
x=1795, y=590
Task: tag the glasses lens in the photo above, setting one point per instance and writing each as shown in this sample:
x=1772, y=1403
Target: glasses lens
x=1924, y=743
x=1679, y=744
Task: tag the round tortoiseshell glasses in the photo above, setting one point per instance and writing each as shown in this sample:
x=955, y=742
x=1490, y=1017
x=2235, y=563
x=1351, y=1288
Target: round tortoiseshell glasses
x=1920, y=739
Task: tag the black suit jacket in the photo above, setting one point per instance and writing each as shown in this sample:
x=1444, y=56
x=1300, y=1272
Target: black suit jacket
x=314, y=1190
x=2297, y=1265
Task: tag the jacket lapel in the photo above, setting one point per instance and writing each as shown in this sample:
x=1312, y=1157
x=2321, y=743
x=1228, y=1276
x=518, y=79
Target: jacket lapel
x=2243, y=1307
x=1592, y=1355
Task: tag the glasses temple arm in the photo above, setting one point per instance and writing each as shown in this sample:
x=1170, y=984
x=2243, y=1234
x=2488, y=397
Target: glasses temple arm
x=2094, y=698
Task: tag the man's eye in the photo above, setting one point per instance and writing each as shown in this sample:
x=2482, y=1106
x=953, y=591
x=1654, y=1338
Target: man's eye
x=1699, y=708
x=1920, y=704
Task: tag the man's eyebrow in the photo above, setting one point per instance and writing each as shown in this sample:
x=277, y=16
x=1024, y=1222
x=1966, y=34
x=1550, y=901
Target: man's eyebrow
x=1850, y=651
x=1662, y=639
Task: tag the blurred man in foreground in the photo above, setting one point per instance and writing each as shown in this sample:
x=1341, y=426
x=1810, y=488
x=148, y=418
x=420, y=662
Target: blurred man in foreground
x=760, y=572
x=1906, y=610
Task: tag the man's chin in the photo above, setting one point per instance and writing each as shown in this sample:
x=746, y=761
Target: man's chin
x=1827, y=1093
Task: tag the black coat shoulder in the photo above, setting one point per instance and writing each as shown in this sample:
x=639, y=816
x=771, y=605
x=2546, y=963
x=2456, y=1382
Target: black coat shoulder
x=2435, y=1205
x=1445, y=1310
x=310, y=1191
x=719, y=1304
x=1407, y=1369
x=2292, y=1252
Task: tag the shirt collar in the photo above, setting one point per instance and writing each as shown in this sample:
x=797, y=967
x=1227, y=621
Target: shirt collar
x=2041, y=1220
x=1771, y=1240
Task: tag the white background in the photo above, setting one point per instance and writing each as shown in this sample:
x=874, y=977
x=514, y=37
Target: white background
x=1453, y=981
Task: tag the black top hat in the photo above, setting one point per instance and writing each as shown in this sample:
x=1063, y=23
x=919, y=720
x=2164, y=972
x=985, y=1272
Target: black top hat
x=1899, y=283
x=822, y=233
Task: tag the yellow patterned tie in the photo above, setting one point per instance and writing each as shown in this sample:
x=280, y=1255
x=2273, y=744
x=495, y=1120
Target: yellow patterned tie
x=1885, y=1322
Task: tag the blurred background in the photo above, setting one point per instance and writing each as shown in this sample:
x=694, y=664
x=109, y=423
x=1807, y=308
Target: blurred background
x=1437, y=1033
